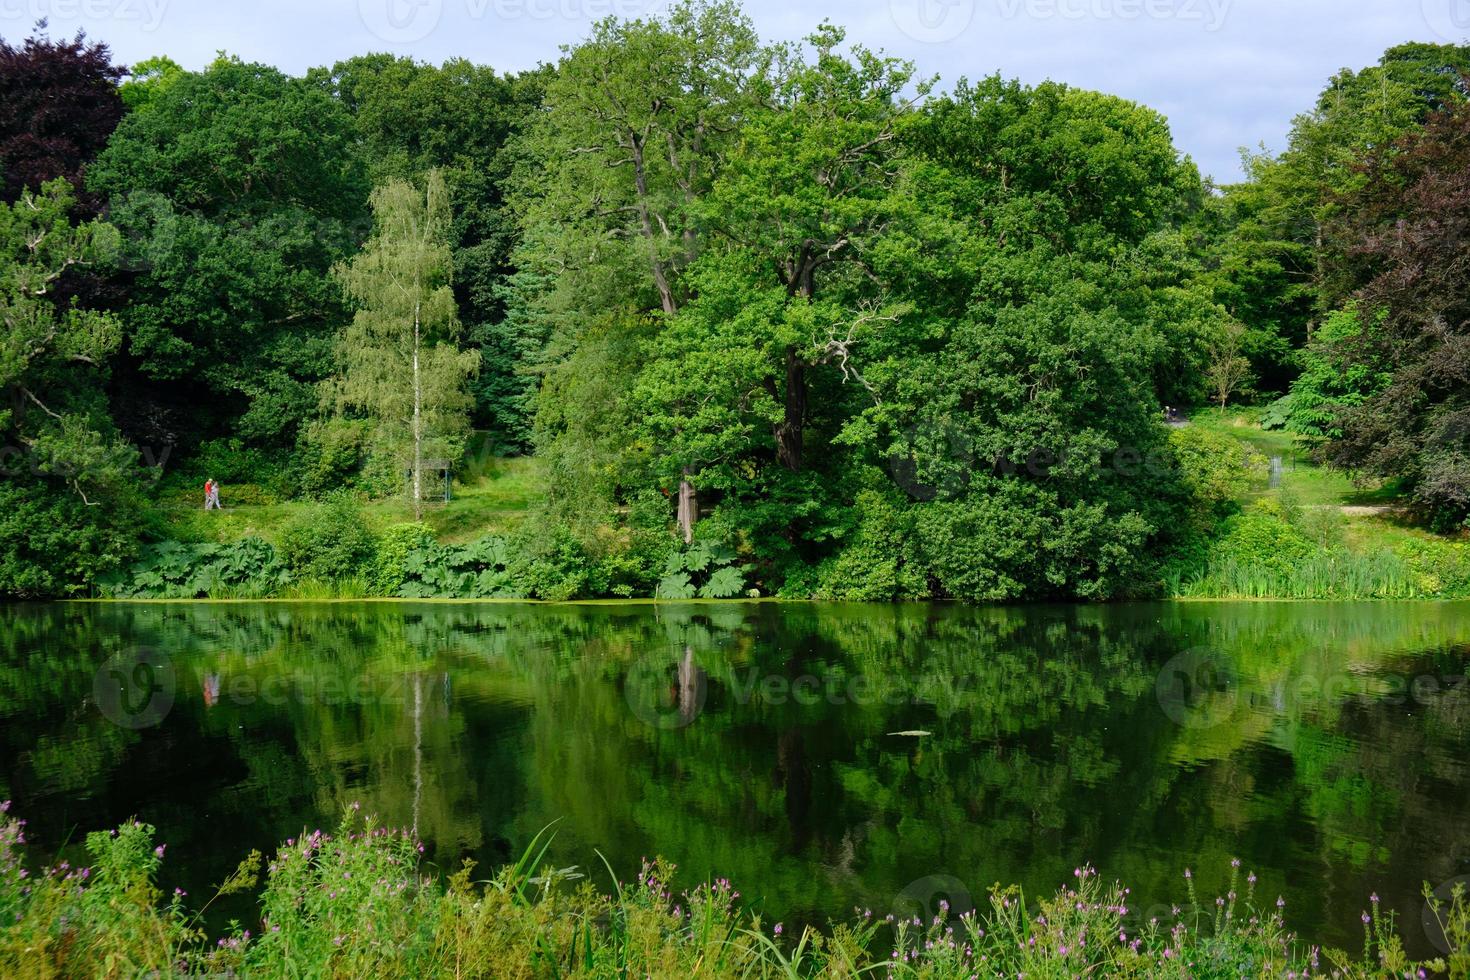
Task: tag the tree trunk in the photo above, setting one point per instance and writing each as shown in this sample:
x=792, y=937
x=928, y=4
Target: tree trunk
x=645, y=221
x=689, y=704
x=789, y=430
x=688, y=508
x=418, y=425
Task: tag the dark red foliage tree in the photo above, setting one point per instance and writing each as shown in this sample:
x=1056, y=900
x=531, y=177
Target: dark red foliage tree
x=59, y=103
x=1407, y=233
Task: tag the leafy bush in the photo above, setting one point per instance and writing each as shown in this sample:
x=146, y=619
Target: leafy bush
x=1263, y=536
x=244, y=494
x=1019, y=541
x=1441, y=569
x=703, y=569
x=390, y=570
x=475, y=571
x=877, y=561
x=1277, y=415
x=1217, y=470
x=329, y=456
x=329, y=542
x=231, y=461
x=358, y=903
x=1329, y=382
x=249, y=568
x=550, y=562
x=52, y=544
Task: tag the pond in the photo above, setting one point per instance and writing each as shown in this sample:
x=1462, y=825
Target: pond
x=822, y=757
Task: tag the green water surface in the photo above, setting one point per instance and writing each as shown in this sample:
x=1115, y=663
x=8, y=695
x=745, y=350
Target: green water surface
x=822, y=757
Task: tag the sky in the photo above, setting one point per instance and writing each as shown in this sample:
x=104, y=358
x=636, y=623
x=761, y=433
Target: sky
x=1227, y=73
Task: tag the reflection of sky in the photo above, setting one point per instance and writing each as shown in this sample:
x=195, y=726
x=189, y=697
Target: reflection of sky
x=1228, y=73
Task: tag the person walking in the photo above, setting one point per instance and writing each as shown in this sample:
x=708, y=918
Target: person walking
x=214, y=493
x=208, y=493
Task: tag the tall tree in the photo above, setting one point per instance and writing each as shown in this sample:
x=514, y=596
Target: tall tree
x=811, y=194
x=1406, y=239
x=59, y=104
x=68, y=477
x=1015, y=408
x=1227, y=370
x=636, y=124
x=400, y=362
x=44, y=348
x=464, y=119
x=147, y=79
x=236, y=189
x=1272, y=259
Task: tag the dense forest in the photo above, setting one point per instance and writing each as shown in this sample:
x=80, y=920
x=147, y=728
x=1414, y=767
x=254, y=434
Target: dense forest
x=773, y=319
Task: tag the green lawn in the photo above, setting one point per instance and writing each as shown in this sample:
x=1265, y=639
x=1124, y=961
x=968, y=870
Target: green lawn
x=1315, y=487
x=1310, y=484
x=493, y=499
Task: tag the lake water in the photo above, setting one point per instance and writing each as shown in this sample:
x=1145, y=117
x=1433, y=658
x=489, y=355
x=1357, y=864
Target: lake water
x=1324, y=745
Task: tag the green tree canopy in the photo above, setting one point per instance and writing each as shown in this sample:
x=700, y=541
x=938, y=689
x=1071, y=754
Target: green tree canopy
x=236, y=188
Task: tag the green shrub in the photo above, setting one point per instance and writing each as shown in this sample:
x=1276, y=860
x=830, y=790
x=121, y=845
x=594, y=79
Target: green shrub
x=1011, y=540
x=1216, y=469
x=397, y=544
x=360, y=903
x=1263, y=538
x=247, y=568
x=704, y=569
x=54, y=545
x=231, y=461
x=329, y=542
x=629, y=560
x=876, y=562
x=549, y=562
x=244, y=494
x=474, y=571
x=329, y=457
x=1441, y=569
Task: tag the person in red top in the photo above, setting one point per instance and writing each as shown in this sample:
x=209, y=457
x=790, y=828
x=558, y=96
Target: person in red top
x=208, y=494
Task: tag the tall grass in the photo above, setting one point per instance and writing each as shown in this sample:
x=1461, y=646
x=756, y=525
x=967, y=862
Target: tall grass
x=357, y=904
x=1330, y=575
x=316, y=589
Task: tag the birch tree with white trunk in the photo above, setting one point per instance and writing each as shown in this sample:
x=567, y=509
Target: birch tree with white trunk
x=401, y=365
